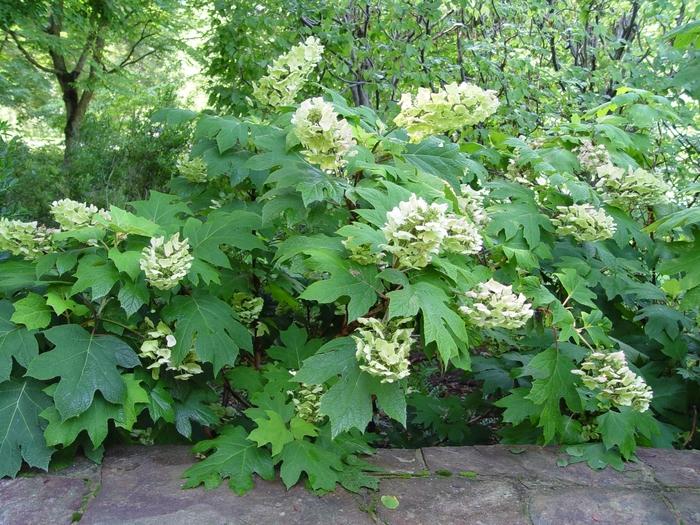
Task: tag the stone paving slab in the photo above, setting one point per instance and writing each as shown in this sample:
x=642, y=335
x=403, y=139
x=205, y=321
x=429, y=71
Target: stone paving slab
x=483, y=485
x=532, y=466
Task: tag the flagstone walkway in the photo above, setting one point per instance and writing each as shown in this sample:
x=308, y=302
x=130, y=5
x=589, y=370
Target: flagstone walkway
x=484, y=485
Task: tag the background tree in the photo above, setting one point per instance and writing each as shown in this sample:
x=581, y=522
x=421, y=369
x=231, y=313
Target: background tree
x=81, y=44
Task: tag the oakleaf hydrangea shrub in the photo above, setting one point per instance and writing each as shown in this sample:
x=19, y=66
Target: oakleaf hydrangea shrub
x=322, y=279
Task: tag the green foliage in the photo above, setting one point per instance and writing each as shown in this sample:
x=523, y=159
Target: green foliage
x=410, y=294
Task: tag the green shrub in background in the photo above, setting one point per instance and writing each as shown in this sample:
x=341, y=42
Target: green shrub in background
x=119, y=160
x=320, y=280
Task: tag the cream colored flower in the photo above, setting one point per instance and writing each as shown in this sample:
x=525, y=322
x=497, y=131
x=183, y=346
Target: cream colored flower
x=247, y=307
x=452, y=108
x=383, y=348
x=494, y=305
x=194, y=170
x=26, y=239
x=462, y=236
x=157, y=348
x=166, y=262
x=288, y=73
x=362, y=253
x=590, y=156
x=71, y=215
x=307, y=401
x=629, y=189
x=327, y=140
x=415, y=230
x=584, y=222
x=471, y=204
x=615, y=385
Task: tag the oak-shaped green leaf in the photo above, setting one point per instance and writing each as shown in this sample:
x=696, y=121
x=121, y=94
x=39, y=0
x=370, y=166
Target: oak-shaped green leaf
x=222, y=228
x=95, y=420
x=163, y=209
x=321, y=466
x=127, y=262
x=576, y=287
x=271, y=429
x=96, y=273
x=126, y=222
x=553, y=381
x=21, y=428
x=209, y=324
x=234, y=458
x=15, y=342
x=620, y=429
x=32, y=311
x=85, y=363
x=358, y=283
x=297, y=347
x=441, y=324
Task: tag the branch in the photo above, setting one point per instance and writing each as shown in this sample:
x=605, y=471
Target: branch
x=29, y=57
x=126, y=61
x=132, y=62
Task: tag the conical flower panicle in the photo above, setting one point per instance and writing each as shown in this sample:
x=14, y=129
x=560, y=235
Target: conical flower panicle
x=26, y=239
x=452, y=108
x=288, y=73
x=166, y=262
x=615, y=385
x=584, y=222
x=327, y=140
x=383, y=348
x=494, y=305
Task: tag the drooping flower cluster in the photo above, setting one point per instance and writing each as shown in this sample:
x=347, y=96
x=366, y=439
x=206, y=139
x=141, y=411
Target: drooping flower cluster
x=70, y=214
x=630, y=188
x=326, y=139
x=451, y=108
x=462, y=236
x=590, y=156
x=471, y=204
x=307, y=401
x=584, y=222
x=416, y=231
x=494, y=305
x=247, y=307
x=615, y=385
x=383, y=348
x=166, y=262
x=194, y=170
x=288, y=73
x=361, y=252
x=158, y=349
x=27, y=239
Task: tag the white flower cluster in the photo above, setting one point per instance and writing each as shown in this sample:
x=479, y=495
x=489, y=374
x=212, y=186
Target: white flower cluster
x=288, y=73
x=383, y=348
x=452, y=108
x=166, y=262
x=590, y=156
x=584, y=222
x=607, y=374
x=159, y=350
x=462, y=236
x=70, y=214
x=628, y=189
x=471, y=204
x=326, y=139
x=415, y=231
x=307, y=401
x=247, y=307
x=194, y=170
x=495, y=305
x=27, y=239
